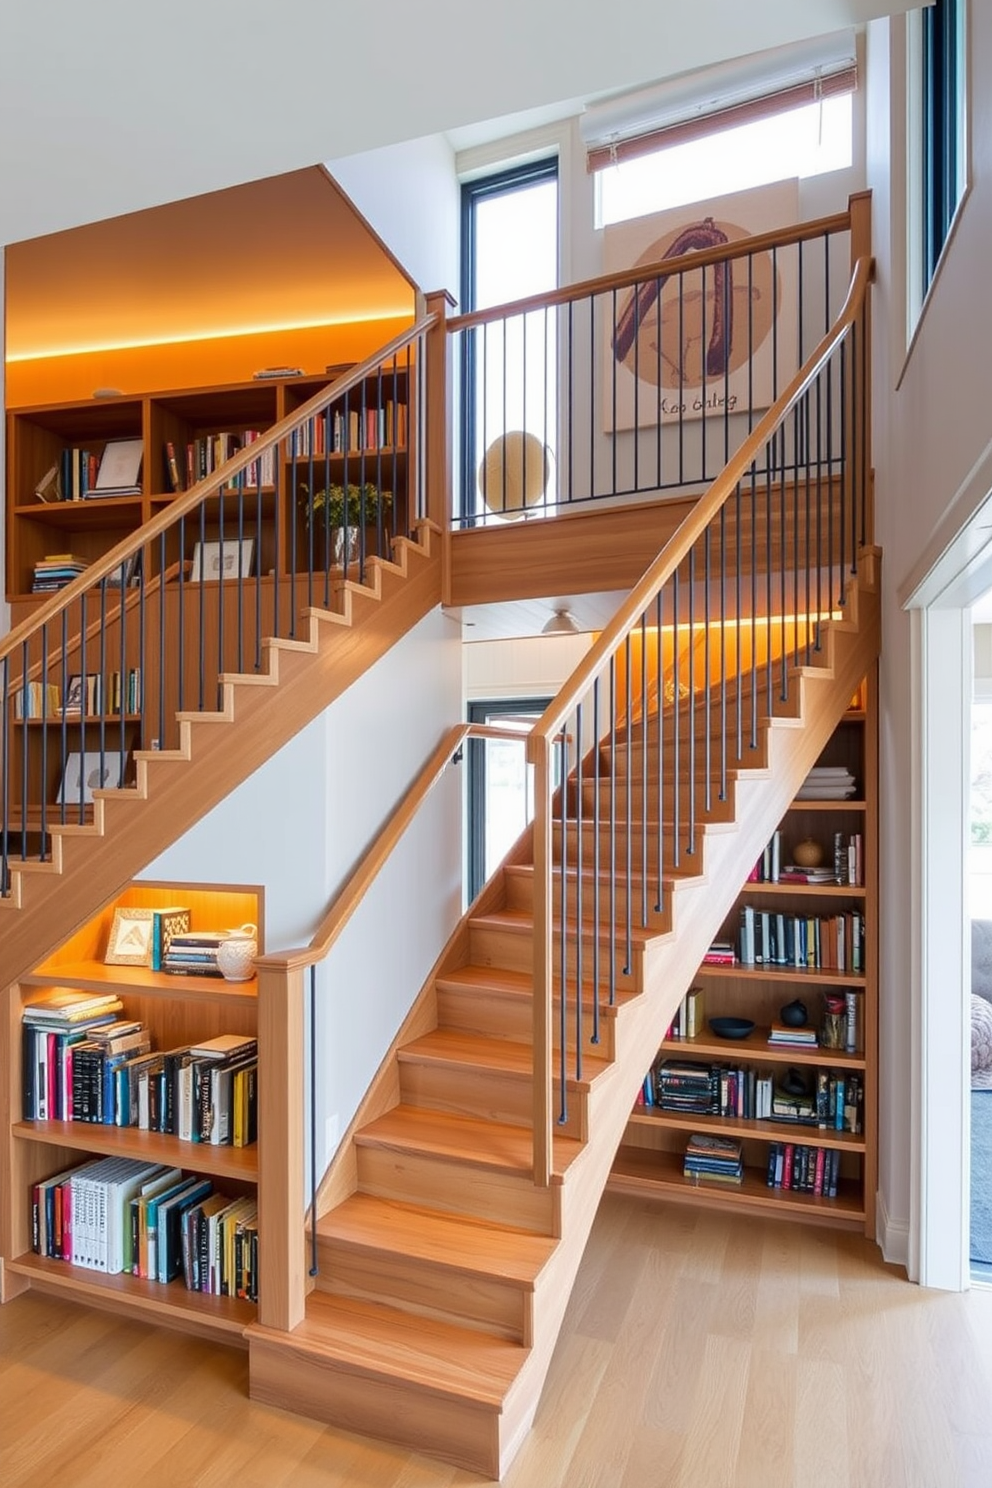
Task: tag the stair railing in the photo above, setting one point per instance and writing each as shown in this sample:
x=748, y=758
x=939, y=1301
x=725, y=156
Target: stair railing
x=764, y=559
x=106, y=666
x=287, y=1010
x=644, y=380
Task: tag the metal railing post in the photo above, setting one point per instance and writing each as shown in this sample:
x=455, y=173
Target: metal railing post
x=540, y=756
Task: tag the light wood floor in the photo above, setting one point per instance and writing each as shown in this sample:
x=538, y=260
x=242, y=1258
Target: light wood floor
x=698, y=1351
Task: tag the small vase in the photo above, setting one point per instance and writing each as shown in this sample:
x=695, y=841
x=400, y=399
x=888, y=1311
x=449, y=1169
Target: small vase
x=236, y=955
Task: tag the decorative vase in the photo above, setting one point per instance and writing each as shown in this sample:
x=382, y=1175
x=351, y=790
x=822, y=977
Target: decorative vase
x=808, y=853
x=236, y=955
x=794, y=1014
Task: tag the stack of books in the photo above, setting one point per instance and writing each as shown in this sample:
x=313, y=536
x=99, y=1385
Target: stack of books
x=796, y=1038
x=714, y=1160
x=51, y=1032
x=55, y=570
x=125, y=1216
x=827, y=783
x=720, y=953
x=194, y=953
x=685, y=1085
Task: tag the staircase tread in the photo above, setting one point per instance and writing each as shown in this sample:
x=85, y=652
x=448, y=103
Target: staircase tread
x=495, y=1145
x=519, y=921
x=507, y=983
x=472, y=1246
x=455, y=1046
x=444, y=1359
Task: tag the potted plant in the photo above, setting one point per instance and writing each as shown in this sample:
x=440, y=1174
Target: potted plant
x=332, y=509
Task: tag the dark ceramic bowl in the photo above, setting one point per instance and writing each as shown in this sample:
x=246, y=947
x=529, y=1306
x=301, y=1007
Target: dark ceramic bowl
x=732, y=1028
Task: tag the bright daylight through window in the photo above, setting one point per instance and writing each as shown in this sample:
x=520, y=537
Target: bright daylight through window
x=805, y=141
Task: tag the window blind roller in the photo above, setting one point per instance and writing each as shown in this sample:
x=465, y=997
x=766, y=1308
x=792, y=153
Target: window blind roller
x=735, y=92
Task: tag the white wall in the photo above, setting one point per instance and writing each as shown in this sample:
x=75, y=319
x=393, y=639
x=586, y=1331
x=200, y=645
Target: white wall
x=300, y=824
x=409, y=196
x=933, y=423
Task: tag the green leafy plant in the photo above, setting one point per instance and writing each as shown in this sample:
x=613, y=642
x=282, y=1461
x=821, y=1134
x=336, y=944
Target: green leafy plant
x=361, y=508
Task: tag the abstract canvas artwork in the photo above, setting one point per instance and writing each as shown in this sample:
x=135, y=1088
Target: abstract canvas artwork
x=705, y=342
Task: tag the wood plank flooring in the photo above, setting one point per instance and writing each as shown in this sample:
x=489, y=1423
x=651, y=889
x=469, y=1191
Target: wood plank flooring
x=699, y=1350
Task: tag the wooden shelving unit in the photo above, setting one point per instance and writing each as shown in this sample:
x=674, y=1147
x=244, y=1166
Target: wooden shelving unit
x=273, y=515
x=649, y=1161
x=178, y=1010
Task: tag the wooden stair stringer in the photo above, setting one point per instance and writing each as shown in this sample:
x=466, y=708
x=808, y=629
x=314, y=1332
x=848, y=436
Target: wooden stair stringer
x=176, y=788
x=500, y=1410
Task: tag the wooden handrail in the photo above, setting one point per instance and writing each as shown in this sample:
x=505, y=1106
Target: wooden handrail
x=803, y=232
x=347, y=901
x=695, y=524
x=190, y=500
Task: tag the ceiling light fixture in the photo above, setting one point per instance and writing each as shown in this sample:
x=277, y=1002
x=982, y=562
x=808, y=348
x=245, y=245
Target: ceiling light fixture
x=562, y=622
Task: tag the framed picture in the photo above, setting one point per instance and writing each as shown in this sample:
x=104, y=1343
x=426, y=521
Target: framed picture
x=80, y=689
x=228, y=560
x=85, y=773
x=677, y=350
x=124, y=574
x=130, y=942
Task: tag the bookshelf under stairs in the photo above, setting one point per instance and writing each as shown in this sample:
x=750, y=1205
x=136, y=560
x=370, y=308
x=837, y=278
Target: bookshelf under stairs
x=91, y=862
x=444, y=1271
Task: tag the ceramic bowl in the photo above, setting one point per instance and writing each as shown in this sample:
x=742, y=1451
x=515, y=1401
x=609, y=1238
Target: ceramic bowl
x=732, y=1028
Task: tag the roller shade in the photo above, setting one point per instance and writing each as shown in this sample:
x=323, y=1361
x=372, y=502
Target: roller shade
x=731, y=93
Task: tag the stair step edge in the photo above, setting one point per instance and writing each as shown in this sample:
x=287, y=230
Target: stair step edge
x=379, y=1342
x=367, y=1225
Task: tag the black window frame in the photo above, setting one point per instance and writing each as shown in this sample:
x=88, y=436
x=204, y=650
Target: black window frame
x=942, y=102
x=484, y=188
x=479, y=711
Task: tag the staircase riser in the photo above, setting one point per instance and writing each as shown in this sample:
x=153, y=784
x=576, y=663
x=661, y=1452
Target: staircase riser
x=511, y=1018
x=457, y=1431
x=688, y=862
x=515, y=952
x=440, y=1183
x=614, y=807
x=520, y=895
x=426, y=1289
x=489, y=1094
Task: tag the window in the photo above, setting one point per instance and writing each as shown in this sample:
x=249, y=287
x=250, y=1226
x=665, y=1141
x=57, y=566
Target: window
x=500, y=785
x=745, y=122
x=509, y=251
x=942, y=60
x=805, y=141
x=936, y=153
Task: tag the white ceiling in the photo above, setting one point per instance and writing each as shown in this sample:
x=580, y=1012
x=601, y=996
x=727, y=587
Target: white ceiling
x=111, y=106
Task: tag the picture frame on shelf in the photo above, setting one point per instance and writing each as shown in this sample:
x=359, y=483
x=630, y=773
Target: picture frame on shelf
x=89, y=771
x=80, y=689
x=125, y=574
x=228, y=560
x=130, y=940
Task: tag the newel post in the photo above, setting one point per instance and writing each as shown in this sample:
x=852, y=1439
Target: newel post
x=439, y=417
x=859, y=206
x=281, y=1146
x=540, y=757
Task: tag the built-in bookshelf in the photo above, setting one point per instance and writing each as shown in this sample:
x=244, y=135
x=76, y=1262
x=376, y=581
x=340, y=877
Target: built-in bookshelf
x=46, y=1138
x=54, y=454
x=800, y=1116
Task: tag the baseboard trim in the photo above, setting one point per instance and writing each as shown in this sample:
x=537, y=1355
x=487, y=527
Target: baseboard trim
x=892, y=1236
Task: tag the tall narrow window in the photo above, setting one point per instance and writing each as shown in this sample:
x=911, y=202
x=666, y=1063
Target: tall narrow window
x=509, y=384
x=942, y=28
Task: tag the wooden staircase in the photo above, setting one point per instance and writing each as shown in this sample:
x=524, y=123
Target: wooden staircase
x=89, y=864
x=444, y=1271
